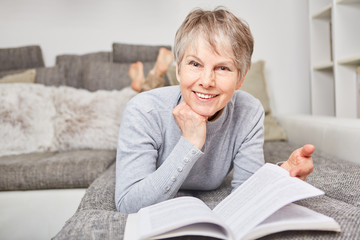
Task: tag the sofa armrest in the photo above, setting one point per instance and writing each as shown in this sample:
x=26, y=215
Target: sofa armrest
x=339, y=137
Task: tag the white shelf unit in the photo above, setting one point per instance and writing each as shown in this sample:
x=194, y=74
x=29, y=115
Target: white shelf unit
x=335, y=56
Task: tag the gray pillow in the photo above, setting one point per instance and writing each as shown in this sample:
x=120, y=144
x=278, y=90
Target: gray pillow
x=108, y=76
x=21, y=58
x=130, y=53
x=51, y=76
x=72, y=65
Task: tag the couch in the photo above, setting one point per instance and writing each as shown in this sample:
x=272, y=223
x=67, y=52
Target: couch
x=75, y=163
x=46, y=160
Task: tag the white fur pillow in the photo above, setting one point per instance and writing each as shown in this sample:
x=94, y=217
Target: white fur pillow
x=88, y=119
x=36, y=118
x=26, y=114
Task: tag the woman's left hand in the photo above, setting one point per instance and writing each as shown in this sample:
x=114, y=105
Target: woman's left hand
x=300, y=163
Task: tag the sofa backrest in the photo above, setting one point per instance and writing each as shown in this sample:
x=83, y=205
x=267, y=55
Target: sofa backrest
x=72, y=65
x=21, y=58
x=130, y=53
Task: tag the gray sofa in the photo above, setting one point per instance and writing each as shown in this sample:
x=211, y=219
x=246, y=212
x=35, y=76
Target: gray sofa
x=94, y=169
x=96, y=217
x=74, y=168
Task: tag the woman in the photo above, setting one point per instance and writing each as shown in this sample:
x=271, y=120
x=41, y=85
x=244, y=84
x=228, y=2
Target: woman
x=190, y=136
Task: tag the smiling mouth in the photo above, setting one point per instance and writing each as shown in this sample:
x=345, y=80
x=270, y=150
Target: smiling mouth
x=205, y=96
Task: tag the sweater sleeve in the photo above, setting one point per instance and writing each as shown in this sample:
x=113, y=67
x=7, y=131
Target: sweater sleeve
x=139, y=181
x=250, y=155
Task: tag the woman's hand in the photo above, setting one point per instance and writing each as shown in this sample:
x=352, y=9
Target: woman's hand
x=300, y=162
x=191, y=124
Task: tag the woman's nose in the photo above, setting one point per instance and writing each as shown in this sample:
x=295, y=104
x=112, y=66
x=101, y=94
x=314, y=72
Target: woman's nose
x=207, y=79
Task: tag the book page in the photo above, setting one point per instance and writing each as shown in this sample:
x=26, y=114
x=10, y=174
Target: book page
x=200, y=229
x=293, y=217
x=176, y=213
x=265, y=192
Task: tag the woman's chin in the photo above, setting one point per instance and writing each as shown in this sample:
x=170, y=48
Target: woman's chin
x=206, y=113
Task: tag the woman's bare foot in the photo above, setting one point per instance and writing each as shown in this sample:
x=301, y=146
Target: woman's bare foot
x=163, y=61
x=136, y=74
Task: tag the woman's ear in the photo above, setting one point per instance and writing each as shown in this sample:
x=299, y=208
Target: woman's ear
x=240, y=83
x=177, y=72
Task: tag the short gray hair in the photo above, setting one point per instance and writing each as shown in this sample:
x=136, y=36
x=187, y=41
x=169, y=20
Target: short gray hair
x=216, y=26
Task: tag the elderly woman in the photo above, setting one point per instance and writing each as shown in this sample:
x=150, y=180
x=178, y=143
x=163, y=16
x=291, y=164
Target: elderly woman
x=190, y=136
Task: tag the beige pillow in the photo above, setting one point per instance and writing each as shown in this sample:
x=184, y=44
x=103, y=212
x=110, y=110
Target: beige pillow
x=273, y=131
x=171, y=75
x=27, y=76
x=255, y=84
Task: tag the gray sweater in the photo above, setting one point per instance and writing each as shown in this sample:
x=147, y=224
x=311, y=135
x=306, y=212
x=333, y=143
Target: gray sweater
x=154, y=161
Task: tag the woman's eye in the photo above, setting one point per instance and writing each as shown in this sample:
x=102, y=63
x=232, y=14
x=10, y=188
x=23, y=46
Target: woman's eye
x=223, y=68
x=193, y=63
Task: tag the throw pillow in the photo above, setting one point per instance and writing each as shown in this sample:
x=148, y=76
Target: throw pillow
x=26, y=113
x=273, y=131
x=130, y=53
x=27, y=76
x=255, y=84
x=109, y=76
x=88, y=120
x=51, y=76
x=21, y=58
x=171, y=75
x=72, y=65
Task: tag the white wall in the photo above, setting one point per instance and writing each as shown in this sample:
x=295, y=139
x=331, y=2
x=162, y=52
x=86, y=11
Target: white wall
x=280, y=29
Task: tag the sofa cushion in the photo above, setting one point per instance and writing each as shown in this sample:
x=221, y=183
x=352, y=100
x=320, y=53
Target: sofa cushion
x=109, y=76
x=273, y=130
x=70, y=169
x=21, y=58
x=101, y=194
x=94, y=224
x=38, y=118
x=130, y=53
x=255, y=84
x=11, y=72
x=345, y=214
x=26, y=115
x=97, y=216
x=88, y=120
x=102, y=224
x=339, y=179
x=50, y=76
x=27, y=76
x=73, y=65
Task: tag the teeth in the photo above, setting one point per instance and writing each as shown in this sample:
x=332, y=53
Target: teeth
x=206, y=96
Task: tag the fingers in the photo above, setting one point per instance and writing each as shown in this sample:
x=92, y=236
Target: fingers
x=307, y=150
x=191, y=124
x=182, y=111
x=300, y=162
x=302, y=172
x=304, y=167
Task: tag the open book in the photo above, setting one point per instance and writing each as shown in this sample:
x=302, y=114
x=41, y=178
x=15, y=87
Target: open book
x=260, y=206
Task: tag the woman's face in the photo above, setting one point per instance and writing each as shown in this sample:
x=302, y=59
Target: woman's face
x=207, y=80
